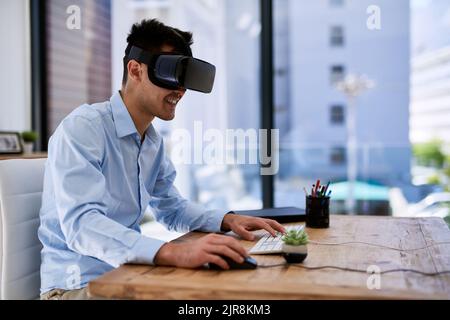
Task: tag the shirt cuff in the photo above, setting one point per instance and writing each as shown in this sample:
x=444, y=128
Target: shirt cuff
x=206, y=220
x=214, y=221
x=145, y=250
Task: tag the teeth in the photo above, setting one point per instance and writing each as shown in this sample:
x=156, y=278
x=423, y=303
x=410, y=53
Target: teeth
x=173, y=101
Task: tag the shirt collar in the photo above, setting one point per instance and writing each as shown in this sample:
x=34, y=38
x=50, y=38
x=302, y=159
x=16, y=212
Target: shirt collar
x=122, y=119
x=153, y=134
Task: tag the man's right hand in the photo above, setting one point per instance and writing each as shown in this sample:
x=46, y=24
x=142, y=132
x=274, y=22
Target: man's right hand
x=194, y=254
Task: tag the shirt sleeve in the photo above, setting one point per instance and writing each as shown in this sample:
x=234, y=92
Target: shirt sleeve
x=76, y=154
x=177, y=213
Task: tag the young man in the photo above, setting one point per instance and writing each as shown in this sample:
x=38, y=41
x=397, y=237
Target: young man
x=106, y=164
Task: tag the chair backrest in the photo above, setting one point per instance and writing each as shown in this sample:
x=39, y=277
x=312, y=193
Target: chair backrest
x=21, y=184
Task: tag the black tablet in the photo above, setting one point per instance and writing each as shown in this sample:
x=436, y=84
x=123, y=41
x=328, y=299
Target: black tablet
x=282, y=215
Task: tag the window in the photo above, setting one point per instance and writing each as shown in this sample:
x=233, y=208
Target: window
x=337, y=156
x=337, y=116
x=337, y=36
x=337, y=74
x=306, y=62
x=210, y=140
x=315, y=144
x=336, y=3
x=78, y=60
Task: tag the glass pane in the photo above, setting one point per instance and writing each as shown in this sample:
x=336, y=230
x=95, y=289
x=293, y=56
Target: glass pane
x=78, y=37
x=85, y=66
x=337, y=36
x=227, y=34
x=365, y=83
x=336, y=3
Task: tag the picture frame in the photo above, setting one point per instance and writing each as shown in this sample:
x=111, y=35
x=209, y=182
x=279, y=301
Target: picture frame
x=10, y=143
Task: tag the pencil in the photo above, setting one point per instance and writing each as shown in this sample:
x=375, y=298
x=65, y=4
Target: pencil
x=306, y=192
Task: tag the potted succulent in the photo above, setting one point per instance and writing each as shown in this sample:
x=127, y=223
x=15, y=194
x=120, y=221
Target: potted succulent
x=29, y=138
x=294, y=247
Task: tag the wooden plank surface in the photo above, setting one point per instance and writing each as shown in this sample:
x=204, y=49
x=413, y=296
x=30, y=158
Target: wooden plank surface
x=291, y=282
x=36, y=155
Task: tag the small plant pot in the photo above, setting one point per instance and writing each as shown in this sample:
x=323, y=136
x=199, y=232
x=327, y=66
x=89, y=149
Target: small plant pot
x=294, y=254
x=28, y=147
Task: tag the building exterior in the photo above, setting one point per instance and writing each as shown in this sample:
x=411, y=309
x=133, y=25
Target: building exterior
x=430, y=96
x=328, y=40
x=78, y=60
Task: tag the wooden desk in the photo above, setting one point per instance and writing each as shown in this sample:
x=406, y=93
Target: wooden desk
x=36, y=155
x=149, y=282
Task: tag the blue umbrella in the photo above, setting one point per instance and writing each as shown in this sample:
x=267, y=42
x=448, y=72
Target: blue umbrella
x=362, y=191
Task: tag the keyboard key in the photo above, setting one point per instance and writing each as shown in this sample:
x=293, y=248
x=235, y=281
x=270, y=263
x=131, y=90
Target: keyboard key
x=268, y=244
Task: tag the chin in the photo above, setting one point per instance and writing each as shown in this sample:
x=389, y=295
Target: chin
x=167, y=118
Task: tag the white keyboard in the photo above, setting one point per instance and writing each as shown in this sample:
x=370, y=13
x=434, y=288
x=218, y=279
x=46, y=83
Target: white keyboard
x=270, y=245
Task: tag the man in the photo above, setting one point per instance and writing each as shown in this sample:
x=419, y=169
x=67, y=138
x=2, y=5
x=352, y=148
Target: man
x=106, y=164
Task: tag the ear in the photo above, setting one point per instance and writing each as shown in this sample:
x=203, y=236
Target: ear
x=135, y=71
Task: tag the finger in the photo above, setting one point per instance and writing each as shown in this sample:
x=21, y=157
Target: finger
x=226, y=251
x=264, y=225
x=277, y=226
x=231, y=243
x=245, y=234
x=211, y=258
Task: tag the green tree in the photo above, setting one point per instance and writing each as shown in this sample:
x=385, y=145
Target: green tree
x=429, y=154
x=446, y=172
x=447, y=219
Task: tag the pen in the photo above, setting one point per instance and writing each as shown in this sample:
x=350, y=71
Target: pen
x=317, y=187
x=325, y=198
x=326, y=188
x=322, y=191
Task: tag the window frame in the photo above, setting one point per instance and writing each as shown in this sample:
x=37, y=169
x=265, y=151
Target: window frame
x=39, y=88
x=334, y=78
x=338, y=152
x=39, y=81
x=337, y=118
x=337, y=36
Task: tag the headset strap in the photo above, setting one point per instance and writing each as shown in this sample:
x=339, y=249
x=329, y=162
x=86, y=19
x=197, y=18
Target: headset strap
x=139, y=55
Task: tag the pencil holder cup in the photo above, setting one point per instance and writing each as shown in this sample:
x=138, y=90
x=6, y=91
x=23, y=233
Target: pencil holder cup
x=317, y=212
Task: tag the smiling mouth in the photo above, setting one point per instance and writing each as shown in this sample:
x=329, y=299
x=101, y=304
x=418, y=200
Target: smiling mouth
x=173, y=101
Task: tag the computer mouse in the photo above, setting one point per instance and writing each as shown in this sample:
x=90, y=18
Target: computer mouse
x=248, y=264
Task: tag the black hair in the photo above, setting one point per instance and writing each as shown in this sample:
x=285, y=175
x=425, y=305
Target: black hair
x=152, y=35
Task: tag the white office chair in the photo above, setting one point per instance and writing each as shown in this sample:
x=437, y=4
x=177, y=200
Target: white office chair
x=21, y=184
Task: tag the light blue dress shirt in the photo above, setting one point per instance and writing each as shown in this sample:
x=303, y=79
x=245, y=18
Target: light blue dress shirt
x=99, y=180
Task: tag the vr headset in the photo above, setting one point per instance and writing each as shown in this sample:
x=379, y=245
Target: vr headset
x=173, y=71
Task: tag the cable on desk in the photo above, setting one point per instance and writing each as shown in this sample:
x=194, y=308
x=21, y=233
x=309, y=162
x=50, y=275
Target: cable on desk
x=355, y=270
x=374, y=245
x=363, y=271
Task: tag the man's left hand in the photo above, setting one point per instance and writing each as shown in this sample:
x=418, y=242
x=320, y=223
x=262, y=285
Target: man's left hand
x=242, y=225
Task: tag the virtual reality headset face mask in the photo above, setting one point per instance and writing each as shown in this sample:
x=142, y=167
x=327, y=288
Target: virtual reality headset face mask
x=173, y=71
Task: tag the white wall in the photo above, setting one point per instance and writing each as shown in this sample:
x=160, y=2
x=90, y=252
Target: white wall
x=122, y=17
x=430, y=97
x=15, y=93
